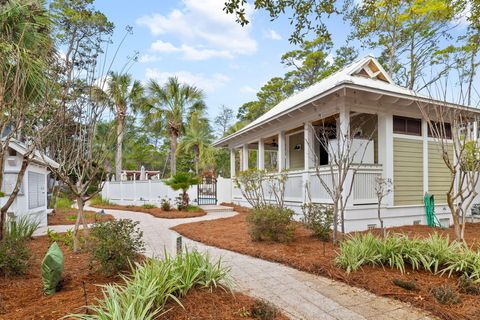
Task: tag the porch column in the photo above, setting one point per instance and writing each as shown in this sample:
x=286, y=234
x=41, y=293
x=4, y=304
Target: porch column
x=245, y=157
x=232, y=163
x=385, y=150
x=308, y=152
x=343, y=135
x=261, y=154
x=281, y=151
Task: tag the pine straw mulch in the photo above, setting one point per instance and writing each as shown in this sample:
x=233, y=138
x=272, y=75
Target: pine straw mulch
x=156, y=212
x=23, y=298
x=308, y=254
x=68, y=216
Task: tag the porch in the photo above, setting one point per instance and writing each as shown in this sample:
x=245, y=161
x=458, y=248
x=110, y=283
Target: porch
x=305, y=153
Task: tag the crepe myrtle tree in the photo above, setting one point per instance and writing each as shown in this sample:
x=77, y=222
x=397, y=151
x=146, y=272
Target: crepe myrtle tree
x=456, y=143
x=345, y=158
x=383, y=187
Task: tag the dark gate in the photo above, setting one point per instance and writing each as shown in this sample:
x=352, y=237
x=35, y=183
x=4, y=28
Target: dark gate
x=207, y=191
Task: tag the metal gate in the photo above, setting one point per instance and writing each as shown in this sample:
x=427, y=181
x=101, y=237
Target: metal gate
x=207, y=191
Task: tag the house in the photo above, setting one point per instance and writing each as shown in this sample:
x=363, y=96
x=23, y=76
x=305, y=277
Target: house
x=399, y=146
x=32, y=198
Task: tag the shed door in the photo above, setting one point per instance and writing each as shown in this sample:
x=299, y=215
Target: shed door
x=36, y=190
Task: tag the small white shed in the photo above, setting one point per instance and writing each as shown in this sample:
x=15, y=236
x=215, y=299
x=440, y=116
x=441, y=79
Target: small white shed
x=32, y=198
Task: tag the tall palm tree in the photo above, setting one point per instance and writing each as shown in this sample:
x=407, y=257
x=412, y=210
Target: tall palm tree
x=170, y=105
x=197, y=138
x=121, y=93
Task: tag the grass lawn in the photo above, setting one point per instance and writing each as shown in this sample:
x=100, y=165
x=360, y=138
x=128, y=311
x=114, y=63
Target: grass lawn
x=68, y=216
x=156, y=212
x=22, y=297
x=308, y=254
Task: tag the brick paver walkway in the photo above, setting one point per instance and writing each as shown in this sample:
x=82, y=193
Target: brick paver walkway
x=298, y=294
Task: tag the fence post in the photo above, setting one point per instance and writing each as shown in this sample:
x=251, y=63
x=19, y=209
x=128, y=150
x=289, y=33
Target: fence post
x=134, y=192
x=121, y=192
x=150, y=191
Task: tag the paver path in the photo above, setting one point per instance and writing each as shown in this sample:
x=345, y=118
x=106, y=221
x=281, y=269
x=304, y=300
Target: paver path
x=300, y=295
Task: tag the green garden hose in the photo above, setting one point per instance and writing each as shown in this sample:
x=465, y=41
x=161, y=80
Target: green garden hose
x=432, y=220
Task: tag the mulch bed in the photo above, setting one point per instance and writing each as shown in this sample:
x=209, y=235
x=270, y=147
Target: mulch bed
x=156, y=212
x=217, y=304
x=68, y=217
x=308, y=254
x=23, y=298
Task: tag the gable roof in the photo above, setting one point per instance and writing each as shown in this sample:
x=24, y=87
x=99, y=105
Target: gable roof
x=38, y=158
x=366, y=72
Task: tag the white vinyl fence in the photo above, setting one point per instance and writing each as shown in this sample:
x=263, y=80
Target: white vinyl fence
x=141, y=192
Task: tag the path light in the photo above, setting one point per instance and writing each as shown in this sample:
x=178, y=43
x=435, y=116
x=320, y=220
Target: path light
x=179, y=245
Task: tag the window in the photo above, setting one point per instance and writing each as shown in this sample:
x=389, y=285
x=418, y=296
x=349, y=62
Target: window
x=404, y=125
x=444, y=130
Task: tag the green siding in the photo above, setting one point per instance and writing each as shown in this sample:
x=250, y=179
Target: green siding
x=407, y=171
x=296, y=156
x=438, y=174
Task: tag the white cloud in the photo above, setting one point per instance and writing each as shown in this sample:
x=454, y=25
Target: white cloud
x=209, y=83
x=272, y=34
x=189, y=52
x=205, y=27
x=248, y=90
x=146, y=58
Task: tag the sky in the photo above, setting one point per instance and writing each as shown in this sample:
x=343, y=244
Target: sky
x=203, y=46
x=199, y=43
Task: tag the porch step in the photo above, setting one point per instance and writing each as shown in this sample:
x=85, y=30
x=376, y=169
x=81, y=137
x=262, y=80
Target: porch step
x=216, y=208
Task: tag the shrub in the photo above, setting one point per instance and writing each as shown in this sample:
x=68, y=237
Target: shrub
x=407, y=285
x=14, y=256
x=22, y=228
x=468, y=286
x=445, y=294
x=115, y=244
x=319, y=219
x=271, y=223
x=64, y=238
x=153, y=283
x=165, y=204
x=64, y=203
x=99, y=201
x=182, y=181
x=263, y=310
x=148, y=206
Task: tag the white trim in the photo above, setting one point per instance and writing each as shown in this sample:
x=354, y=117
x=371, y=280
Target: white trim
x=425, y=155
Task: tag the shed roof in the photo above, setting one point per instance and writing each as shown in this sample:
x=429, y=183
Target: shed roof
x=38, y=158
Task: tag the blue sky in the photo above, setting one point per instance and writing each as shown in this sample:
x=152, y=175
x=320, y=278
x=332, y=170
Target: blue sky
x=199, y=43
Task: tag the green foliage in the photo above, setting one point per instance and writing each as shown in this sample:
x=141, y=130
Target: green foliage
x=182, y=181
x=319, y=219
x=165, y=204
x=155, y=282
x=445, y=294
x=435, y=254
x=271, y=223
x=64, y=238
x=149, y=206
x=263, y=310
x=99, y=201
x=14, y=256
x=115, y=244
x=64, y=203
x=22, y=228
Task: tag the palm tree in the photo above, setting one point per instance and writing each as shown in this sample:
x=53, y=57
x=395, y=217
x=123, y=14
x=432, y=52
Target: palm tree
x=170, y=104
x=121, y=93
x=197, y=138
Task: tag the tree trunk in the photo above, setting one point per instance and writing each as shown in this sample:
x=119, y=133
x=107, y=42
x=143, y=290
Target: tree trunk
x=118, y=151
x=335, y=222
x=196, y=159
x=13, y=195
x=380, y=219
x=173, y=153
x=80, y=220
